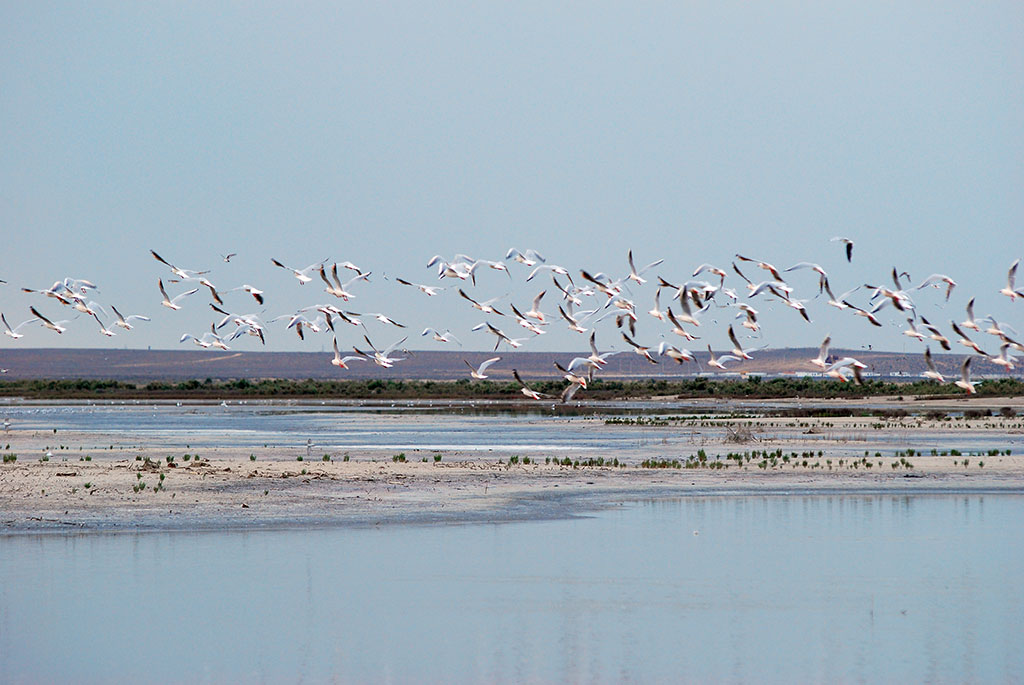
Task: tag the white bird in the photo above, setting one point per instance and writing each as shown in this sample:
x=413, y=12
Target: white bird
x=173, y=303
x=641, y=350
x=838, y=369
x=183, y=274
x=932, y=372
x=513, y=342
x=749, y=315
x=936, y=335
x=839, y=302
x=455, y=269
x=441, y=337
x=529, y=258
x=256, y=293
x=596, y=358
x=912, y=332
x=247, y=323
x=967, y=342
x=497, y=266
x=125, y=321
x=764, y=265
x=822, y=275
x=1003, y=359
x=821, y=361
x=656, y=310
x=719, y=362
x=572, y=293
x=339, y=289
x=737, y=349
x=996, y=328
x=53, y=326
x=525, y=389
x=686, y=314
x=603, y=283
x=524, y=322
x=570, y=375
x=383, y=357
x=675, y=353
x=383, y=318
x=479, y=372
x=575, y=323
x=485, y=306
x=1011, y=286
x=634, y=274
x=849, y=246
x=798, y=305
x=303, y=275
x=553, y=268
x=103, y=329
x=965, y=377
x=430, y=290
x=535, y=312
x=969, y=322
x=57, y=291
x=227, y=257
x=342, y=362
x=13, y=332
x=208, y=340
x=710, y=269
x=677, y=327
x=935, y=280
x=863, y=312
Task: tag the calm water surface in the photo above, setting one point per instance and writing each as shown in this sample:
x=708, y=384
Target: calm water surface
x=770, y=589
x=463, y=427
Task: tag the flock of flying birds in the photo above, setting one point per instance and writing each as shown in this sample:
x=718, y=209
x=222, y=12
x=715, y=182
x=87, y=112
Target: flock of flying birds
x=574, y=298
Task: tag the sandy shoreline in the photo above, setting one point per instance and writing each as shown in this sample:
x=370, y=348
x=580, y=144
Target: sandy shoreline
x=132, y=486
x=231, y=491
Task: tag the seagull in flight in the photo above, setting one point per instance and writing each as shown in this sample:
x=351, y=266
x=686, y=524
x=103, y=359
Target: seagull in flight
x=480, y=372
x=125, y=321
x=965, y=377
x=1011, y=286
x=13, y=332
x=342, y=362
x=932, y=372
x=427, y=289
x=529, y=258
x=53, y=326
x=525, y=389
x=302, y=274
x=173, y=304
x=183, y=274
x=849, y=246
x=636, y=275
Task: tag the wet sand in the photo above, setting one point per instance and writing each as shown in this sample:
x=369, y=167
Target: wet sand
x=226, y=488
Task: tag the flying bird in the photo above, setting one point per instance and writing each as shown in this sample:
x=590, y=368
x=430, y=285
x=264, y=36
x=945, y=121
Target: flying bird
x=173, y=303
x=480, y=372
x=849, y=246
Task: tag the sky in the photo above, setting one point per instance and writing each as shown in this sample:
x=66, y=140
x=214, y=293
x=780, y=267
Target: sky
x=386, y=133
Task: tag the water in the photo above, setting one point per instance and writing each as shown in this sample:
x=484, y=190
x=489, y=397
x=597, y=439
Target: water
x=464, y=428
x=770, y=589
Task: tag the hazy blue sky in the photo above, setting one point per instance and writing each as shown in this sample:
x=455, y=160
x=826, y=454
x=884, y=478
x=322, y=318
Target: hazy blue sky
x=385, y=133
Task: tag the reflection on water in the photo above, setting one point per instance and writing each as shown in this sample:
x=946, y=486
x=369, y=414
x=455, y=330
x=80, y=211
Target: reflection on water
x=780, y=589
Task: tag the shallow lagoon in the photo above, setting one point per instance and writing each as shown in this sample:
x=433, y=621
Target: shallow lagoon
x=740, y=589
x=464, y=427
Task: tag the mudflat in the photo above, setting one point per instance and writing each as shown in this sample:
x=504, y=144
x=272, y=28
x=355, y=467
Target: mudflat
x=57, y=484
